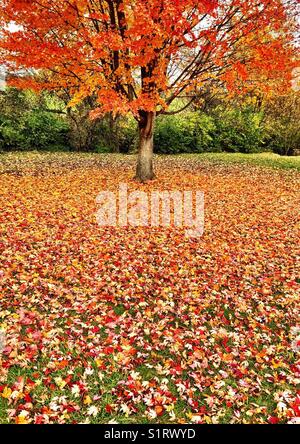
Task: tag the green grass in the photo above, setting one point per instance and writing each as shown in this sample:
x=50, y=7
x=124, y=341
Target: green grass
x=19, y=161
x=267, y=159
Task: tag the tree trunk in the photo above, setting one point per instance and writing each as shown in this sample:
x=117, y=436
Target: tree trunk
x=144, y=169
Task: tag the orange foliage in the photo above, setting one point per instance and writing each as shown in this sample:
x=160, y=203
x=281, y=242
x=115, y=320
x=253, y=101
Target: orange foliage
x=141, y=55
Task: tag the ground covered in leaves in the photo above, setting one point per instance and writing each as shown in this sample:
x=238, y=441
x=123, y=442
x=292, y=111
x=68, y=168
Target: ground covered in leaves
x=142, y=324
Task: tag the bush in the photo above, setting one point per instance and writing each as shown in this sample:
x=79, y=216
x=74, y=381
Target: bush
x=119, y=135
x=128, y=135
x=27, y=124
x=44, y=131
x=184, y=133
x=284, y=137
x=34, y=131
x=238, y=130
x=24, y=125
x=283, y=124
x=232, y=130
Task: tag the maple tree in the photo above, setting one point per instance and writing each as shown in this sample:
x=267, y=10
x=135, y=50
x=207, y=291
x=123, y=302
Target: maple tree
x=140, y=56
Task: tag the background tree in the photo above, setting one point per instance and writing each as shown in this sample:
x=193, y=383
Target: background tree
x=282, y=123
x=140, y=56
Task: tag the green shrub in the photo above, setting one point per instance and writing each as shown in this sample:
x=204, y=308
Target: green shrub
x=284, y=137
x=103, y=149
x=128, y=135
x=238, y=130
x=230, y=127
x=33, y=131
x=43, y=130
x=10, y=136
x=183, y=133
x=24, y=125
x=283, y=123
x=232, y=130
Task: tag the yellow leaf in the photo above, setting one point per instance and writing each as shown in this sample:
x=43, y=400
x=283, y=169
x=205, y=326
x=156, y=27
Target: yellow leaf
x=6, y=393
x=60, y=382
x=21, y=420
x=99, y=362
x=87, y=400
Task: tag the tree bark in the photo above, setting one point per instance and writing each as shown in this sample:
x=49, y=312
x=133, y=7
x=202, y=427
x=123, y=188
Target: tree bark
x=144, y=169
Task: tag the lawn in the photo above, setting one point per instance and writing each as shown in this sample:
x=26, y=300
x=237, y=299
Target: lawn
x=145, y=325
x=270, y=160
